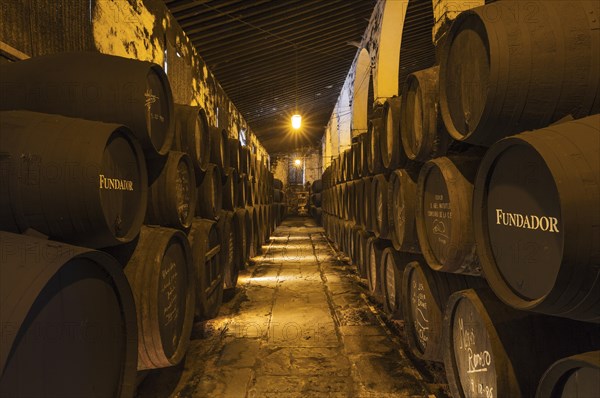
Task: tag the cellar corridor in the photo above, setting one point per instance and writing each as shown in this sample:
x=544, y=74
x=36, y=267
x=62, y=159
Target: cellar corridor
x=299, y=325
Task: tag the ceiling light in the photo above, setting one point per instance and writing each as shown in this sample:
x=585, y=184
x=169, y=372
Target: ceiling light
x=297, y=162
x=296, y=121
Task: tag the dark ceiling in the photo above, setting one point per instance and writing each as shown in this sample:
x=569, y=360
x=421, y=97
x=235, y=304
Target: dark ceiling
x=273, y=55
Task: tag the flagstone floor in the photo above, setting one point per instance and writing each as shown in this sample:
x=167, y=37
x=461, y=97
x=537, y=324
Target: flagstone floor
x=299, y=325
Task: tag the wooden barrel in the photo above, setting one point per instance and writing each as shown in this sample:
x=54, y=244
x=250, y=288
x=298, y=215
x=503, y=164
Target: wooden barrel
x=204, y=242
x=340, y=239
x=391, y=268
x=349, y=236
x=345, y=230
x=355, y=255
x=255, y=195
x=351, y=198
x=210, y=194
x=536, y=222
x=250, y=236
x=230, y=189
x=68, y=321
x=338, y=200
x=262, y=224
x=344, y=200
x=277, y=196
x=484, y=345
x=375, y=248
x=192, y=136
x=333, y=171
x=317, y=186
x=374, y=163
x=252, y=167
x=367, y=216
x=422, y=129
x=219, y=148
x=248, y=190
x=240, y=248
x=245, y=160
x=354, y=170
x=425, y=293
x=341, y=236
x=317, y=199
x=390, y=140
x=443, y=216
x=233, y=145
x=347, y=165
x=577, y=376
x=172, y=196
x=163, y=280
x=241, y=191
x=269, y=189
x=489, y=91
x=248, y=228
x=359, y=187
x=362, y=253
x=402, y=198
x=95, y=86
x=256, y=244
x=363, y=149
x=74, y=180
x=227, y=258
x=379, y=206
x=268, y=222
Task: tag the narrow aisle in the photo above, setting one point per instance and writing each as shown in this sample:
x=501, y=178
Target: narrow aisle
x=298, y=326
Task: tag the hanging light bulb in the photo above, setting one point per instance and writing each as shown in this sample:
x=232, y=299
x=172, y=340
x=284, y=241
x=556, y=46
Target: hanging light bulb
x=296, y=121
x=297, y=162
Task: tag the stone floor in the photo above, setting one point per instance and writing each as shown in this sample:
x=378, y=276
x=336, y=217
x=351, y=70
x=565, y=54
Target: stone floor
x=299, y=325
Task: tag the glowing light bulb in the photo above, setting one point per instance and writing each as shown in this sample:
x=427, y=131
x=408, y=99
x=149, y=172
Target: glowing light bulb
x=297, y=162
x=296, y=121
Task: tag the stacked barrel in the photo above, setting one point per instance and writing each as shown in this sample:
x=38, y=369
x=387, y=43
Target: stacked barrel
x=123, y=217
x=471, y=204
x=315, y=201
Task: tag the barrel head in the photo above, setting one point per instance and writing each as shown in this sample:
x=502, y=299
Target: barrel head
x=523, y=219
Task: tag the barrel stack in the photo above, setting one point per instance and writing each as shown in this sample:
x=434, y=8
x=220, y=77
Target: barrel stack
x=163, y=207
x=470, y=205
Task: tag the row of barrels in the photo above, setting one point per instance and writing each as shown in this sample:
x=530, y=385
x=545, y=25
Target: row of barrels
x=108, y=127
x=81, y=322
x=95, y=154
x=458, y=321
x=516, y=222
x=482, y=90
x=481, y=240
